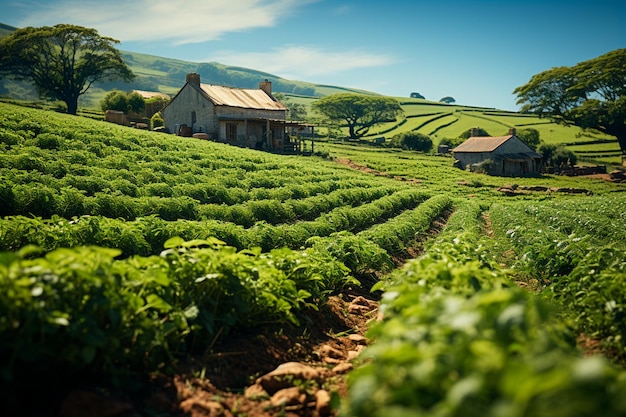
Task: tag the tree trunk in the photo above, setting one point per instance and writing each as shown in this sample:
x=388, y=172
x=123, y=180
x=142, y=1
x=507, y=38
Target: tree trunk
x=622, y=145
x=72, y=105
x=352, y=133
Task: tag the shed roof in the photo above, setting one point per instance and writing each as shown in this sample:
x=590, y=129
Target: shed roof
x=246, y=98
x=488, y=144
x=482, y=143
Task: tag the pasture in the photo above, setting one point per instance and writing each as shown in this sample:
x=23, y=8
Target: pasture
x=126, y=253
x=439, y=121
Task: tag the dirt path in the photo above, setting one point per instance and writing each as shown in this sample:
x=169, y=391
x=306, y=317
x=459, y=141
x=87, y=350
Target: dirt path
x=349, y=163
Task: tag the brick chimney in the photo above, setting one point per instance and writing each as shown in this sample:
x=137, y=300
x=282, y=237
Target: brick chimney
x=512, y=131
x=266, y=86
x=193, y=78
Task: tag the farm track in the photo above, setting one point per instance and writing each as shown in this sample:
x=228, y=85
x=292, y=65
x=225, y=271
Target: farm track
x=351, y=164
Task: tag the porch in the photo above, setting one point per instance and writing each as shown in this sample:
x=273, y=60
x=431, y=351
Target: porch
x=278, y=136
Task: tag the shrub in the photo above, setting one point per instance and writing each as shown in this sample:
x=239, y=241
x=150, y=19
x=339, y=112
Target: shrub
x=529, y=136
x=36, y=201
x=71, y=203
x=484, y=167
x=159, y=189
x=476, y=131
x=563, y=156
x=136, y=103
x=29, y=128
x=156, y=121
x=451, y=142
x=30, y=163
x=413, y=141
x=115, y=100
x=555, y=156
x=7, y=197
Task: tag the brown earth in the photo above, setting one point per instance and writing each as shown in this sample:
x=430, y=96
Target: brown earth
x=234, y=378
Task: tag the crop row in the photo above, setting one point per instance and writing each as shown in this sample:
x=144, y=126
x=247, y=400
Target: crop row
x=457, y=337
x=575, y=251
x=40, y=200
x=99, y=312
x=161, y=178
x=146, y=235
x=83, y=310
x=59, y=145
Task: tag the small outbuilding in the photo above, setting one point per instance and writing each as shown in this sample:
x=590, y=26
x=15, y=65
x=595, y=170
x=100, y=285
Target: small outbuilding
x=499, y=155
x=251, y=118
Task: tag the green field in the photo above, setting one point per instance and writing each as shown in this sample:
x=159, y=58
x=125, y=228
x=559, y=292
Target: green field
x=125, y=252
x=441, y=121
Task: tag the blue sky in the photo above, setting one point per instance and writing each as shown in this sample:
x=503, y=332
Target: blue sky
x=475, y=51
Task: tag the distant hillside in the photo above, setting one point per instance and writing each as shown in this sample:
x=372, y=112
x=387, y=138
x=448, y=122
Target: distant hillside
x=6, y=29
x=166, y=75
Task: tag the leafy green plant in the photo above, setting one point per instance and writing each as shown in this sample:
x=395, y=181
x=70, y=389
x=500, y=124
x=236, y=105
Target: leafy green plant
x=457, y=338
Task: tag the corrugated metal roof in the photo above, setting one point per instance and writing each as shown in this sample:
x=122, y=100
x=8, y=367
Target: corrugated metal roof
x=481, y=144
x=240, y=97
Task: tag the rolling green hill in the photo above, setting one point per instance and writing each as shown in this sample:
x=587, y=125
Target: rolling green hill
x=438, y=120
x=5, y=29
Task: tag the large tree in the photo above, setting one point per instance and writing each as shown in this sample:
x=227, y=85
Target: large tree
x=590, y=94
x=359, y=112
x=63, y=61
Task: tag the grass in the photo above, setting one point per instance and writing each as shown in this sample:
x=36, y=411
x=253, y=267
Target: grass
x=436, y=174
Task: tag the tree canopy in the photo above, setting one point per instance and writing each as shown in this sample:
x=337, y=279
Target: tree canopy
x=359, y=112
x=590, y=94
x=529, y=136
x=447, y=99
x=125, y=102
x=416, y=95
x=63, y=61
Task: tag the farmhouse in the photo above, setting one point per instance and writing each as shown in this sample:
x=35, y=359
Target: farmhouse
x=501, y=155
x=250, y=118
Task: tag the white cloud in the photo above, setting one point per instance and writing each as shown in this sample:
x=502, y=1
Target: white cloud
x=177, y=21
x=299, y=62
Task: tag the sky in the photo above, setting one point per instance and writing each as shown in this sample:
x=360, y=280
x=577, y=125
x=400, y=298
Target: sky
x=477, y=52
